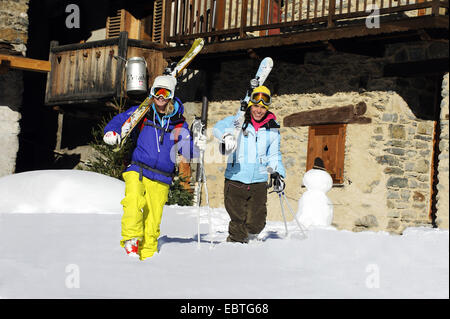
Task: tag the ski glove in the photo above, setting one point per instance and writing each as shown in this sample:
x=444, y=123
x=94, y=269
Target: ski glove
x=229, y=142
x=277, y=182
x=200, y=142
x=111, y=138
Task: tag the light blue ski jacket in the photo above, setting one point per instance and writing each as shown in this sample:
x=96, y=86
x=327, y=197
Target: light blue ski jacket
x=256, y=151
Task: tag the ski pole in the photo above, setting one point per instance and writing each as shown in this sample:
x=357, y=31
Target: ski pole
x=278, y=191
x=282, y=212
x=293, y=215
x=207, y=204
x=200, y=181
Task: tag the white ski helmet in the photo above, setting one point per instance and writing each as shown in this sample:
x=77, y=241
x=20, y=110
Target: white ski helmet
x=168, y=82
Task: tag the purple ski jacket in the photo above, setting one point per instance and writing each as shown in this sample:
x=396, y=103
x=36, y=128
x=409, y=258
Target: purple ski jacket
x=158, y=140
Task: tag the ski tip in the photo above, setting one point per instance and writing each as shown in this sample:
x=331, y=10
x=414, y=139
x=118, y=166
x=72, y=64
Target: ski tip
x=268, y=61
x=195, y=49
x=200, y=41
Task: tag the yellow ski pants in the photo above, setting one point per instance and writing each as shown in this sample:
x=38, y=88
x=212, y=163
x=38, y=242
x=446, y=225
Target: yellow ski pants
x=142, y=211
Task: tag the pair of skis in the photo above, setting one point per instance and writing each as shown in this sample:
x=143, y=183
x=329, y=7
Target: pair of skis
x=138, y=114
x=261, y=75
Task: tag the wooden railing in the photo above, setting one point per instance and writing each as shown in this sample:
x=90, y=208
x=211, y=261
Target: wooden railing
x=221, y=20
x=94, y=71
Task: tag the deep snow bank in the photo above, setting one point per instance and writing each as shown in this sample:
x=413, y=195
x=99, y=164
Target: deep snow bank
x=60, y=191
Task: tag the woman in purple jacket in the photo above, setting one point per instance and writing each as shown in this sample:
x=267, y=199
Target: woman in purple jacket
x=163, y=133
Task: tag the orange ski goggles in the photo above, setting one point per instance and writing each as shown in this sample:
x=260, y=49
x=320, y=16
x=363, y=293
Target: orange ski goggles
x=261, y=97
x=163, y=92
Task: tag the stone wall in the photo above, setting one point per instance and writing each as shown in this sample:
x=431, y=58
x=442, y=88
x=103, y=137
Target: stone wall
x=11, y=89
x=388, y=162
x=13, y=37
x=9, y=140
x=443, y=178
x=14, y=23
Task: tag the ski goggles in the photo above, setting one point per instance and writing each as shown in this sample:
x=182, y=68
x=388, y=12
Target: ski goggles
x=163, y=92
x=261, y=97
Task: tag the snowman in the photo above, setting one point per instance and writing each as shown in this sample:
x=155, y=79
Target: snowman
x=314, y=207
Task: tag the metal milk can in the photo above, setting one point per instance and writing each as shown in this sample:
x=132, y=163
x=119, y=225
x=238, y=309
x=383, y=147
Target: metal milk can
x=136, y=75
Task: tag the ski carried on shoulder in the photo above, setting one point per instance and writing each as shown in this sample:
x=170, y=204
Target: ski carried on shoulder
x=261, y=75
x=138, y=114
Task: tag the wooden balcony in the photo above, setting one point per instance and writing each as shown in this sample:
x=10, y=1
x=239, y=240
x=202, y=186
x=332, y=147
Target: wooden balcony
x=94, y=71
x=233, y=25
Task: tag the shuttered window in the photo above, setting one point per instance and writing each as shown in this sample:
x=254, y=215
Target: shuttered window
x=139, y=29
x=115, y=24
x=158, y=15
x=328, y=143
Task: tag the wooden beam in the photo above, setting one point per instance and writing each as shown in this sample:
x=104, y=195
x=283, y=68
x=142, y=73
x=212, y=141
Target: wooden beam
x=132, y=26
x=341, y=114
x=59, y=130
x=122, y=50
x=26, y=64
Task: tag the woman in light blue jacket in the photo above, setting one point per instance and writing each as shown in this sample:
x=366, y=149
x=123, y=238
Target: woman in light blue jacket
x=254, y=154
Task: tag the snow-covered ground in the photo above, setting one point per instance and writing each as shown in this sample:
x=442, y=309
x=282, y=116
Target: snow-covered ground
x=60, y=233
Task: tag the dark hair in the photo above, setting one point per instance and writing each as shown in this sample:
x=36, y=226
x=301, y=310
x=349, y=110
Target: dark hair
x=247, y=119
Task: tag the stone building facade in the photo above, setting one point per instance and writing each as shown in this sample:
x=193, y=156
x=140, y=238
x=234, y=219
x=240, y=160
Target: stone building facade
x=388, y=162
x=13, y=39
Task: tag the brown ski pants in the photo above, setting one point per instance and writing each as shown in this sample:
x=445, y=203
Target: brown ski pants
x=246, y=205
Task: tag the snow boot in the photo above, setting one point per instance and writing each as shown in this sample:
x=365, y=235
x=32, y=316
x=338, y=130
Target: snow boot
x=132, y=246
x=253, y=238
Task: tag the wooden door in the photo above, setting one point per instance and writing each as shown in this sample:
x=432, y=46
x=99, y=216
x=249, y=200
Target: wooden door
x=328, y=143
